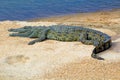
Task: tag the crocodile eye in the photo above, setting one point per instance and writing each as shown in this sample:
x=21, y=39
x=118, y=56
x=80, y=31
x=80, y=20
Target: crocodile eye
x=27, y=27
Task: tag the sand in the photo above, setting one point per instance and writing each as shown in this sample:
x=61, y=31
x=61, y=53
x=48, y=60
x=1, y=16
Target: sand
x=55, y=60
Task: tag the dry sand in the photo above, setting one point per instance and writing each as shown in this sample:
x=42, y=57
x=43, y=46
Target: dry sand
x=55, y=60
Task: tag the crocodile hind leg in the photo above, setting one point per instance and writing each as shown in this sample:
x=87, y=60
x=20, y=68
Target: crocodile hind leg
x=84, y=40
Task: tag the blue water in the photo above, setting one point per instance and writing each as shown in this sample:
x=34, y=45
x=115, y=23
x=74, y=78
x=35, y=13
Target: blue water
x=30, y=9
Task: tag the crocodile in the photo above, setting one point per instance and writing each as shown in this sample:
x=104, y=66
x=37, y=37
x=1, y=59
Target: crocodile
x=87, y=36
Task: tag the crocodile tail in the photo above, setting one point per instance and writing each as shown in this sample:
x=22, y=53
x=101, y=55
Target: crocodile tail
x=99, y=49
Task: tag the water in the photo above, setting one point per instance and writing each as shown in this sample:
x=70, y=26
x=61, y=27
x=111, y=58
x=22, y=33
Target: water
x=30, y=9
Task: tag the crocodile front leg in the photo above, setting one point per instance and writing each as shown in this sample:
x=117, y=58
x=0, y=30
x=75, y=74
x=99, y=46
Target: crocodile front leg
x=37, y=40
x=41, y=37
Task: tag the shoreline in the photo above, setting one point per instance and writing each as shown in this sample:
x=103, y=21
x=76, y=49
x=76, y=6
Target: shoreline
x=71, y=14
x=101, y=19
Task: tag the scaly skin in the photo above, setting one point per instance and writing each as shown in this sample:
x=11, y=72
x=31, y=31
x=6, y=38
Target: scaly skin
x=100, y=40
